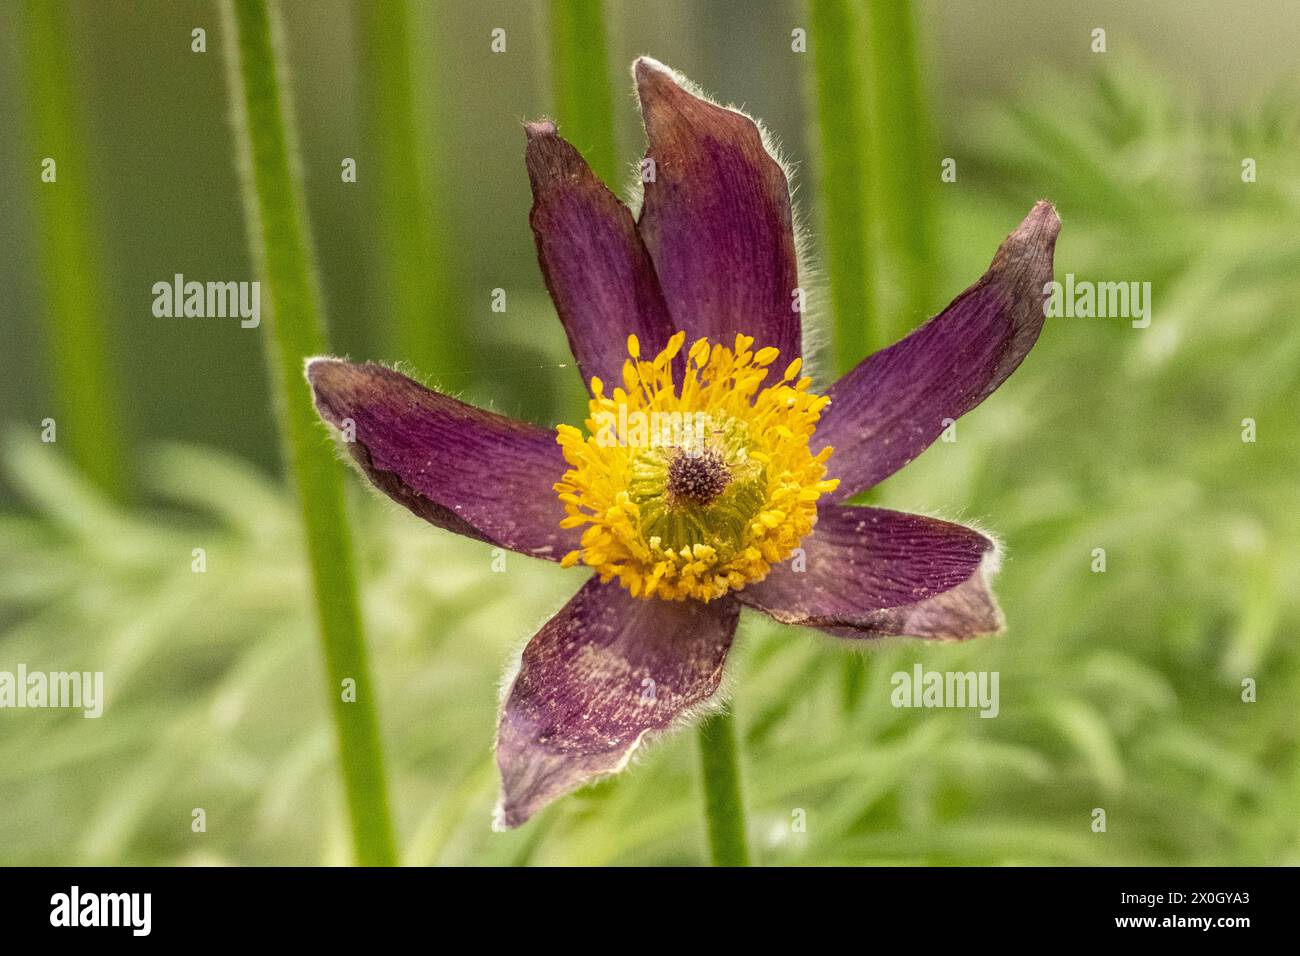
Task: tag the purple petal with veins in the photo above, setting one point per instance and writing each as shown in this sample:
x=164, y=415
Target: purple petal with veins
x=461, y=468
x=717, y=218
x=605, y=672
x=595, y=266
x=867, y=572
x=888, y=409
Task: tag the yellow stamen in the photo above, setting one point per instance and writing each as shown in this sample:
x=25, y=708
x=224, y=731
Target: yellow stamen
x=694, y=489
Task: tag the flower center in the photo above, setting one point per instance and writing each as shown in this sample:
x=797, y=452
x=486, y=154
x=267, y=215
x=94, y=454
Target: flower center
x=696, y=478
x=695, y=488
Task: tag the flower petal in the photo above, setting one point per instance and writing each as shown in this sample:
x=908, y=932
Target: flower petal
x=870, y=572
x=462, y=468
x=595, y=680
x=717, y=218
x=595, y=266
x=894, y=404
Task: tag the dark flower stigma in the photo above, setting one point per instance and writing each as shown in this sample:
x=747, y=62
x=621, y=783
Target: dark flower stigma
x=697, y=478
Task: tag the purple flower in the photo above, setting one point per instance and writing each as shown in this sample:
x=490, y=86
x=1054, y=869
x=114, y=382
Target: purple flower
x=703, y=482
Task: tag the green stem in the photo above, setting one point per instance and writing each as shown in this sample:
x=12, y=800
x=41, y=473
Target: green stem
x=903, y=169
x=426, y=319
x=839, y=91
x=279, y=243
x=848, y=170
x=724, y=809
x=583, y=98
x=87, y=402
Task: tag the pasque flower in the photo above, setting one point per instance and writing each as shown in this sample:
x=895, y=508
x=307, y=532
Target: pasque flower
x=710, y=476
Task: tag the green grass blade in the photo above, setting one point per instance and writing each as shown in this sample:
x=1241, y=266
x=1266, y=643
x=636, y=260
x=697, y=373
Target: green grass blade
x=839, y=91
x=424, y=308
x=583, y=99
x=903, y=171
x=87, y=400
x=280, y=246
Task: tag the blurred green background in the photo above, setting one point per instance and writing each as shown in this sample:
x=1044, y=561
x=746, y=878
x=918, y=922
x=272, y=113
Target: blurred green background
x=1120, y=690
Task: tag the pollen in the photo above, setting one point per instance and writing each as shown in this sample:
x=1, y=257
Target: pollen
x=695, y=475
x=697, y=478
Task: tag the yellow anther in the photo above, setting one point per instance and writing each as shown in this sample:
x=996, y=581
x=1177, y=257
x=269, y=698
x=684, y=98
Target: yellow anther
x=693, y=538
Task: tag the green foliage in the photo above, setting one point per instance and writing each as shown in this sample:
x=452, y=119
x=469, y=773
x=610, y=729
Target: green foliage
x=88, y=399
x=417, y=256
x=580, y=83
x=903, y=169
x=843, y=173
x=876, y=174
